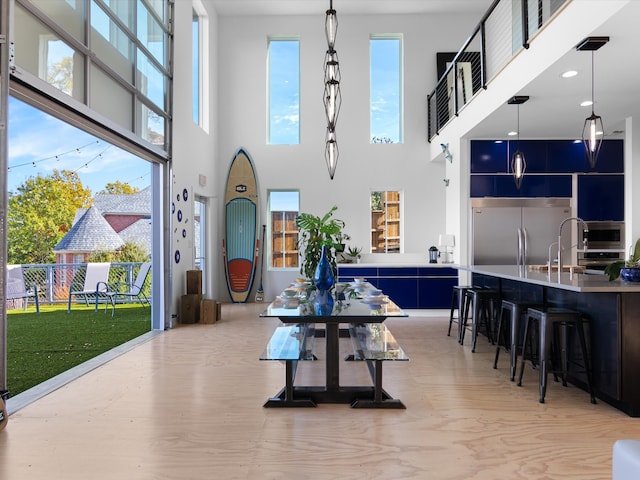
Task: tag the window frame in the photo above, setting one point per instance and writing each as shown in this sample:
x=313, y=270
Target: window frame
x=272, y=40
x=377, y=232
x=270, y=237
x=382, y=136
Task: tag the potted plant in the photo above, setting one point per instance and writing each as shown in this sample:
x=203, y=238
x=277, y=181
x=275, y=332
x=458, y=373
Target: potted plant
x=353, y=253
x=314, y=233
x=628, y=270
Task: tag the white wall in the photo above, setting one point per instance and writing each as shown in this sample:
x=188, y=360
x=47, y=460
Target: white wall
x=194, y=151
x=362, y=167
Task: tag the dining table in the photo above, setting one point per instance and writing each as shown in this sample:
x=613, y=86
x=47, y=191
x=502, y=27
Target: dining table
x=352, y=314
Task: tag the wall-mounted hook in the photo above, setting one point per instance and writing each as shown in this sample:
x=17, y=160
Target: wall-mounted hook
x=446, y=182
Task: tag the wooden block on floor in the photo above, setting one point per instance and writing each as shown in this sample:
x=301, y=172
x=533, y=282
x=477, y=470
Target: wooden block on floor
x=194, y=282
x=208, y=311
x=190, y=308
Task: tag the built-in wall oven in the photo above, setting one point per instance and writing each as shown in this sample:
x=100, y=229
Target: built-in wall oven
x=605, y=244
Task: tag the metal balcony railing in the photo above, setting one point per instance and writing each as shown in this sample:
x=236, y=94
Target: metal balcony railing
x=55, y=279
x=507, y=27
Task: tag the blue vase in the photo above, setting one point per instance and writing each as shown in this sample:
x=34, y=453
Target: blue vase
x=323, y=276
x=323, y=304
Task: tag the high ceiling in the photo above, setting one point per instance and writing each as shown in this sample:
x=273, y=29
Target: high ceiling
x=553, y=110
x=349, y=7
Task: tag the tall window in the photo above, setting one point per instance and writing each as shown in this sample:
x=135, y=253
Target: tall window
x=385, y=222
x=123, y=50
x=283, y=210
x=200, y=65
x=385, y=105
x=195, y=66
x=284, y=92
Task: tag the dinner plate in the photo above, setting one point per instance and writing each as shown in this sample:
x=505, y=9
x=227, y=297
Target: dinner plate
x=285, y=298
x=377, y=300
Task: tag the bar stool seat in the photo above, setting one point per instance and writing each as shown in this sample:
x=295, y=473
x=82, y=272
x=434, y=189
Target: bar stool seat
x=483, y=305
x=553, y=324
x=515, y=310
x=457, y=301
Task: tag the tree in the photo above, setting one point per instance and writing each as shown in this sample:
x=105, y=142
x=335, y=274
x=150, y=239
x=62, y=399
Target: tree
x=119, y=187
x=41, y=213
x=129, y=252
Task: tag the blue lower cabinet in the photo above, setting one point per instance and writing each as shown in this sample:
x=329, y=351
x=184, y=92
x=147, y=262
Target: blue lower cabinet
x=347, y=274
x=435, y=292
x=408, y=287
x=403, y=291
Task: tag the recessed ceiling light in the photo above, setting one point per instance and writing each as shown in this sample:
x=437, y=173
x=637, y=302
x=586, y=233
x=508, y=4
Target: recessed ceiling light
x=586, y=103
x=512, y=134
x=569, y=74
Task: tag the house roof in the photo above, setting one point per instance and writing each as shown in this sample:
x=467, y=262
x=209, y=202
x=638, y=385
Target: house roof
x=124, y=204
x=138, y=233
x=90, y=233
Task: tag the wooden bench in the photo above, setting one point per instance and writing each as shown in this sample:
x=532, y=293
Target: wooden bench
x=290, y=343
x=374, y=344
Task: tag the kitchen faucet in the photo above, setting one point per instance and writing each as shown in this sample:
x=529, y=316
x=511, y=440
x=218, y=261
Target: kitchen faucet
x=584, y=241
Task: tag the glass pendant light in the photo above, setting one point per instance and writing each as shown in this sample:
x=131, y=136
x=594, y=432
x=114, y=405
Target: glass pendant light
x=593, y=129
x=332, y=95
x=518, y=161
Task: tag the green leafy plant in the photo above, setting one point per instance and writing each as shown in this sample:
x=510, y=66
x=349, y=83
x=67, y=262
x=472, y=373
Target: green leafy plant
x=354, y=252
x=613, y=269
x=314, y=232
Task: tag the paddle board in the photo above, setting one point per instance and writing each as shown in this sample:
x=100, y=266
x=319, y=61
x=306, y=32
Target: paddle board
x=241, y=243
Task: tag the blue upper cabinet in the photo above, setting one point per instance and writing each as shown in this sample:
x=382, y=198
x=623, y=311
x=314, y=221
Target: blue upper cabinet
x=557, y=186
x=601, y=197
x=568, y=156
x=488, y=156
x=545, y=156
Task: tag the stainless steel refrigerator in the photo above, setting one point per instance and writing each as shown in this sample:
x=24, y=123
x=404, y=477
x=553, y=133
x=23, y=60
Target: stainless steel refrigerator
x=518, y=231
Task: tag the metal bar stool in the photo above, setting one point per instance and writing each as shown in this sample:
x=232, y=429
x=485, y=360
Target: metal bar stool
x=483, y=303
x=553, y=325
x=457, y=301
x=515, y=310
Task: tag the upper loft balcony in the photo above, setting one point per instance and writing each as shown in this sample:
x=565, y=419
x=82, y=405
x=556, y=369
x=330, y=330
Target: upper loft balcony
x=522, y=47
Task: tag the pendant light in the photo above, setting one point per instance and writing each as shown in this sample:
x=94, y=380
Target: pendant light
x=332, y=96
x=518, y=161
x=593, y=129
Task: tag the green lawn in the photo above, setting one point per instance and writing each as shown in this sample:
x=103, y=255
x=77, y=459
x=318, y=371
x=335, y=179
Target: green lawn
x=40, y=346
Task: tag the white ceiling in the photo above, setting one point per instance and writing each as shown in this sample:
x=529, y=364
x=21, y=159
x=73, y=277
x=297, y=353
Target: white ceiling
x=349, y=7
x=553, y=110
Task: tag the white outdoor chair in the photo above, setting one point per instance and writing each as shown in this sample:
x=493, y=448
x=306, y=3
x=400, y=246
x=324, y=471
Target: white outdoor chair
x=133, y=291
x=95, y=283
x=16, y=287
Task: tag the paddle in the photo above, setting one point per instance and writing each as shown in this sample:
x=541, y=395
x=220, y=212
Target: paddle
x=260, y=291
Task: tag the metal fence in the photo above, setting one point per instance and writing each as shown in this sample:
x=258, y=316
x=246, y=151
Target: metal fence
x=54, y=281
x=505, y=28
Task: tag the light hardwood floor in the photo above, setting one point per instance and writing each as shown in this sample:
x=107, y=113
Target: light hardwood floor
x=188, y=405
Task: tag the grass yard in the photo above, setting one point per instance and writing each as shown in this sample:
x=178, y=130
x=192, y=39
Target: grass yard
x=41, y=346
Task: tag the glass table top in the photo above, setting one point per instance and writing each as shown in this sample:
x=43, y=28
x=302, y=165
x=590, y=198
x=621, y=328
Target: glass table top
x=301, y=310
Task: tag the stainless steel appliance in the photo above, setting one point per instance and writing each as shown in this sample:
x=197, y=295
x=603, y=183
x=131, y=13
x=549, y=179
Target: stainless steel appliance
x=517, y=231
x=605, y=245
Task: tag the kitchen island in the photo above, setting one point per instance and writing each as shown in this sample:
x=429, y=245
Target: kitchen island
x=614, y=311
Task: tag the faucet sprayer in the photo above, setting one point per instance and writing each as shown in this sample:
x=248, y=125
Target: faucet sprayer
x=585, y=238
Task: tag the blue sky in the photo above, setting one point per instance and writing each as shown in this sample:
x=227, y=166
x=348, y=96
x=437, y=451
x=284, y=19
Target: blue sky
x=40, y=143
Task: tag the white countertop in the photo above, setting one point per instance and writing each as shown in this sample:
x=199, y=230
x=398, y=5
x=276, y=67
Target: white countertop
x=399, y=265
x=578, y=282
